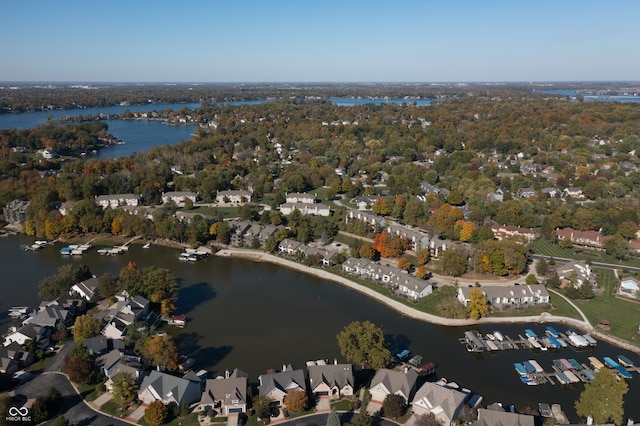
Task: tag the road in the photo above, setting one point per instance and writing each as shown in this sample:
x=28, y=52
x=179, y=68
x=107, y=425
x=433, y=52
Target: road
x=321, y=420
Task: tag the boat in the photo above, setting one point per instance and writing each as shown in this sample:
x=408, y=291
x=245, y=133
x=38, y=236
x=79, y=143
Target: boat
x=18, y=311
x=529, y=367
x=556, y=343
x=499, y=337
x=535, y=365
x=545, y=410
x=474, y=342
x=590, y=340
x=622, y=372
x=416, y=360
x=552, y=332
x=403, y=354
x=609, y=362
x=530, y=334
x=595, y=363
x=578, y=341
x=528, y=381
x=520, y=369
x=575, y=364
x=624, y=361
x=588, y=374
x=571, y=376
x=491, y=345
x=146, y=246
x=562, y=378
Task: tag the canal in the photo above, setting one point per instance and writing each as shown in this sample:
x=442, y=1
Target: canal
x=257, y=316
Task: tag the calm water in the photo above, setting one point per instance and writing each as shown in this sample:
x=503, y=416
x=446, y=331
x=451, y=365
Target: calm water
x=257, y=316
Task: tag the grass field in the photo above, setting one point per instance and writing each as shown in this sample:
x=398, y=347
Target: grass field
x=547, y=248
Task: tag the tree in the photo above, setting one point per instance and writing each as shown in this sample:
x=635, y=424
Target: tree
x=162, y=351
x=333, y=419
x=428, y=419
x=60, y=283
x=393, y=406
x=125, y=389
x=453, y=262
x=603, y=398
x=296, y=400
x=261, y=406
x=362, y=419
x=423, y=256
x=477, y=305
x=403, y=263
x=364, y=344
x=531, y=279
x=156, y=413
x=107, y=285
x=542, y=266
x=422, y=273
x=86, y=326
x=79, y=366
x=553, y=281
x=617, y=247
x=367, y=252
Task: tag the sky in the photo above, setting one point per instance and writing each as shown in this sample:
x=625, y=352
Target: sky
x=227, y=41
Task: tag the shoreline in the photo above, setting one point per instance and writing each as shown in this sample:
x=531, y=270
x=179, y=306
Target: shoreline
x=410, y=312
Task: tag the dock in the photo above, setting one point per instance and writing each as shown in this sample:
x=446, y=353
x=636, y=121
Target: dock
x=552, y=340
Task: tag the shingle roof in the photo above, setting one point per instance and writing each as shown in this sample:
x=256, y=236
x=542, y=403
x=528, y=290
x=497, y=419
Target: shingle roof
x=338, y=375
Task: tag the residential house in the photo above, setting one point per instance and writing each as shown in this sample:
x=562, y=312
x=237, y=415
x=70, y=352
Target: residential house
x=590, y=239
x=50, y=316
x=297, y=197
x=371, y=219
x=123, y=314
x=275, y=385
x=527, y=192
x=16, y=212
x=579, y=272
x=488, y=417
x=413, y=288
x=512, y=295
x=99, y=345
x=551, y=192
x=335, y=380
x=634, y=247
x=171, y=390
x=290, y=247
x=393, y=382
x=428, y=188
x=179, y=197
x=226, y=395
x=14, y=357
x=75, y=305
x=574, y=192
x=114, y=362
x=317, y=209
x=87, y=289
x=445, y=403
x=630, y=287
x=117, y=200
x=40, y=335
x=236, y=197
x=525, y=235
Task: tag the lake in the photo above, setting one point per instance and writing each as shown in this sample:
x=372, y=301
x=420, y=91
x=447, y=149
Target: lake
x=257, y=316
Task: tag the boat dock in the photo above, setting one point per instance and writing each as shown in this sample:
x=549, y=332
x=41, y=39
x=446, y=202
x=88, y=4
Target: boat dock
x=496, y=341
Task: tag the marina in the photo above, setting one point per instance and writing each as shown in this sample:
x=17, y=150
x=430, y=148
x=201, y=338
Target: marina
x=193, y=255
x=496, y=341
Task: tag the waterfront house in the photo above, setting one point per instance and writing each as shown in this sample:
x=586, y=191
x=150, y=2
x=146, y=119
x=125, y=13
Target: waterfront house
x=114, y=363
x=226, y=395
x=14, y=357
x=630, y=287
x=50, y=316
x=171, y=390
x=179, y=197
x=393, y=382
x=334, y=381
x=116, y=200
x=275, y=385
x=512, y=295
x=487, y=417
x=75, y=305
x=577, y=272
x=412, y=287
x=290, y=247
x=234, y=196
x=87, y=289
x=100, y=344
x=40, y=335
x=16, y=212
x=445, y=403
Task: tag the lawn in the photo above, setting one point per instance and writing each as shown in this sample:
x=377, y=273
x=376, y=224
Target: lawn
x=227, y=212
x=547, y=248
x=624, y=315
x=342, y=405
x=41, y=364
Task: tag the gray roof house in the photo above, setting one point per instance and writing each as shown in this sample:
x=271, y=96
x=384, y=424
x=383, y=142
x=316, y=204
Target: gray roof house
x=114, y=363
x=444, y=403
x=158, y=386
x=226, y=395
x=334, y=381
x=276, y=385
x=87, y=289
x=387, y=382
x=513, y=295
x=492, y=417
x=50, y=316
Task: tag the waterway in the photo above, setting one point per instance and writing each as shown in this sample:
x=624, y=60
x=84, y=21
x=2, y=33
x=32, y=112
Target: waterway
x=257, y=316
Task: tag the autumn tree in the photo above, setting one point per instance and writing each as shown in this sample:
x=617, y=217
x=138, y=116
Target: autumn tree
x=421, y=272
x=393, y=406
x=79, y=365
x=454, y=263
x=403, y=263
x=477, y=305
x=86, y=326
x=367, y=252
x=364, y=344
x=296, y=400
x=162, y=351
x=603, y=398
x=156, y=413
x=125, y=389
x=423, y=256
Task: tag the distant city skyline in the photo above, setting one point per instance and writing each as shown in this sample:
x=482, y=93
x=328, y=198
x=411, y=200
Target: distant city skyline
x=319, y=41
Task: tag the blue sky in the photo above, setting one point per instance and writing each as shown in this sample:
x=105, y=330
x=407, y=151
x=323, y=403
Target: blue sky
x=319, y=41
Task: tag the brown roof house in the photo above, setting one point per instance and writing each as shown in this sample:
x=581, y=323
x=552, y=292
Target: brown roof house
x=387, y=382
x=334, y=380
x=226, y=395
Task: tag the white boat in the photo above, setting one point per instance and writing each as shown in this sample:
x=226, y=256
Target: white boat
x=146, y=245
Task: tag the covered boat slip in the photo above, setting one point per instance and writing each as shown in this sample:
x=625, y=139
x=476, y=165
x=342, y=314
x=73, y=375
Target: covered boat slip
x=595, y=363
x=624, y=361
x=520, y=369
x=474, y=342
x=609, y=362
x=535, y=365
x=552, y=332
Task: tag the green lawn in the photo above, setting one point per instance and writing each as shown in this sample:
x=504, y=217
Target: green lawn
x=547, y=248
x=227, y=212
x=342, y=405
x=41, y=364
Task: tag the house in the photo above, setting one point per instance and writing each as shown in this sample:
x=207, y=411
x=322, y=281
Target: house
x=512, y=295
x=335, y=380
x=551, y=192
x=40, y=335
x=590, y=239
x=50, y=316
x=445, y=403
x=179, y=197
x=392, y=382
x=226, y=395
x=75, y=305
x=87, y=289
x=574, y=192
x=99, y=345
x=16, y=212
x=630, y=287
x=297, y=197
x=317, y=209
x=275, y=385
x=413, y=288
x=116, y=200
x=237, y=197
x=290, y=247
x=114, y=362
x=171, y=390
x=124, y=313
x=578, y=271
x=525, y=235
x=488, y=417
x=527, y=192
x=13, y=357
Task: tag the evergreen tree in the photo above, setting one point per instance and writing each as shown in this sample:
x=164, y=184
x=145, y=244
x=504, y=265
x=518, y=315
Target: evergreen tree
x=334, y=418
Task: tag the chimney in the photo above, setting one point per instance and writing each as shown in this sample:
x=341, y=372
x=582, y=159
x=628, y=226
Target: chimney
x=284, y=367
x=335, y=361
x=406, y=369
x=226, y=373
